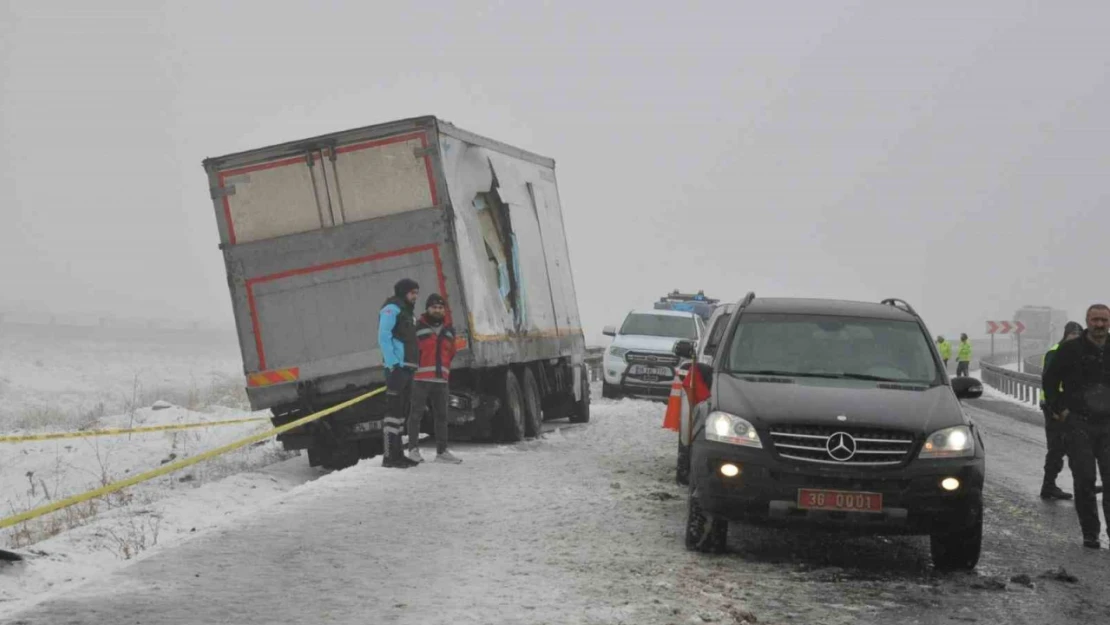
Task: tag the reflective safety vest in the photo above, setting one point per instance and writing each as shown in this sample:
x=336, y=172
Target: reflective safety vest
x=945, y=350
x=1044, y=360
x=437, y=349
x=965, y=351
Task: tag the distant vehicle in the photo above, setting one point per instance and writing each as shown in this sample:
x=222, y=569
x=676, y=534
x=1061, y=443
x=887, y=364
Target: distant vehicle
x=696, y=303
x=839, y=414
x=641, y=362
x=314, y=233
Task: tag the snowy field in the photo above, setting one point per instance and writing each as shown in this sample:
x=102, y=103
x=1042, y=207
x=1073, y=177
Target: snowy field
x=64, y=378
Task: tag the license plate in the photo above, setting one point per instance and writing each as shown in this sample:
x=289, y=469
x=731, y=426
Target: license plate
x=645, y=371
x=367, y=426
x=839, y=500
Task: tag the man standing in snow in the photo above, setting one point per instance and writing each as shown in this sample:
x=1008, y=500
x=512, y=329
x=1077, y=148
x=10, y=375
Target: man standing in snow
x=397, y=340
x=963, y=358
x=1082, y=366
x=436, y=342
x=1055, y=431
x=945, y=349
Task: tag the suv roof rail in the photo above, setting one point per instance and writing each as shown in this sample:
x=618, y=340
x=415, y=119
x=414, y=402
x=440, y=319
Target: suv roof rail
x=747, y=299
x=900, y=303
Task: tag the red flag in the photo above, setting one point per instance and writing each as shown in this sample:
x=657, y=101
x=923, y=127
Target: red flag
x=695, y=386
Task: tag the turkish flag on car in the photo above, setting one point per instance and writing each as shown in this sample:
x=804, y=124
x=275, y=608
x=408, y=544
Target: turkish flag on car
x=695, y=386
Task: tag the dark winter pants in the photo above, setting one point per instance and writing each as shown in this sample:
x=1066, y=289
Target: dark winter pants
x=433, y=395
x=1056, y=435
x=962, y=369
x=1088, y=452
x=398, y=392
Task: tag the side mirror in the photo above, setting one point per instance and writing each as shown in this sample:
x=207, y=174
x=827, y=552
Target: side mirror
x=685, y=349
x=609, y=331
x=967, y=388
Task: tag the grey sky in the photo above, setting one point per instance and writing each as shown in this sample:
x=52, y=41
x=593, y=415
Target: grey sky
x=950, y=153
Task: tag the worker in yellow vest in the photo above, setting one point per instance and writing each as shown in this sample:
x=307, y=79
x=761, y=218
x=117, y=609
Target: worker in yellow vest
x=945, y=349
x=1055, y=432
x=963, y=358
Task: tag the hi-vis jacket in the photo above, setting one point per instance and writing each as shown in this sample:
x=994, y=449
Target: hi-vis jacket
x=436, y=343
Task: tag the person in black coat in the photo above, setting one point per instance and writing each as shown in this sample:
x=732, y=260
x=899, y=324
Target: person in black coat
x=1083, y=367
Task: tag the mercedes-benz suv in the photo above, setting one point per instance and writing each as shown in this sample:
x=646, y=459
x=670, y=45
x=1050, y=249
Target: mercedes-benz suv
x=838, y=414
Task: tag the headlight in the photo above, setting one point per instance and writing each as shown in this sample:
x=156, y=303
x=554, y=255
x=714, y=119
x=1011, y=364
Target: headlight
x=954, y=442
x=726, y=428
x=618, y=352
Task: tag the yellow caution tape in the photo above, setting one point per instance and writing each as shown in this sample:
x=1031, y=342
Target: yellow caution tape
x=180, y=464
x=118, y=431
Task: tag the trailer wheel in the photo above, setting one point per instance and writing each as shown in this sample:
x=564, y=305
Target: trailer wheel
x=533, y=411
x=581, y=412
x=511, y=413
x=335, y=458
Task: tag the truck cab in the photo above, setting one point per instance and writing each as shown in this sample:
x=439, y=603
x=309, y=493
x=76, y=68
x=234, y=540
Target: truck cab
x=641, y=362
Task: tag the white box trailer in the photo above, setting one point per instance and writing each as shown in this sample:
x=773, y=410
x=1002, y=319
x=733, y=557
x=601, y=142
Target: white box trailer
x=315, y=233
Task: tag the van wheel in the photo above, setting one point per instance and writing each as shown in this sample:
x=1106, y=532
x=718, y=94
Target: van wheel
x=682, y=465
x=959, y=550
x=581, y=412
x=511, y=413
x=704, y=534
x=609, y=391
x=533, y=409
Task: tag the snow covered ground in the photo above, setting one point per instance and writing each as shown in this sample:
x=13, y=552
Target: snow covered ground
x=65, y=377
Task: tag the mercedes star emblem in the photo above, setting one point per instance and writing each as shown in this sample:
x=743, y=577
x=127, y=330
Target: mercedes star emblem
x=841, y=446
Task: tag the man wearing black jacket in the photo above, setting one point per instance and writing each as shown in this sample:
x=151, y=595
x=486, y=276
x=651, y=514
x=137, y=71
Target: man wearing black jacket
x=1083, y=367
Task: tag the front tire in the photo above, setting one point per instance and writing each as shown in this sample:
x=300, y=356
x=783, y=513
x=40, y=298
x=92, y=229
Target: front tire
x=959, y=550
x=610, y=391
x=704, y=534
x=682, y=465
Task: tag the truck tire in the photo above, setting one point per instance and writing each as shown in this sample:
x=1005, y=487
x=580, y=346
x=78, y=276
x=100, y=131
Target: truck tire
x=511, y=413
x=335, y=458
x=533, y=410
x=581, y=411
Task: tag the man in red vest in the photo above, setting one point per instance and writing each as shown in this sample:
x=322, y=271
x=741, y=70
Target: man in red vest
x=435, y=340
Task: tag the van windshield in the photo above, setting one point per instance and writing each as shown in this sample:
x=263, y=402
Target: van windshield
x=832, y=347
x=660, y=325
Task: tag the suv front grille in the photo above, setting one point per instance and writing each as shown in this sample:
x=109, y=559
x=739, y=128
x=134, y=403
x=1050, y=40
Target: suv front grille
x=851, y=446
x=640, y=358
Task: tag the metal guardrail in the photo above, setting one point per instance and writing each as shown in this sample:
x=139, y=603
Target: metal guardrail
x=1023, y=386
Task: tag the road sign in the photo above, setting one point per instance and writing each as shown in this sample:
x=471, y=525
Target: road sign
x=1005, y=327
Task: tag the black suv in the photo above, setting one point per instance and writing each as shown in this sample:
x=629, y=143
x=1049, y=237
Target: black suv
x=838, y=414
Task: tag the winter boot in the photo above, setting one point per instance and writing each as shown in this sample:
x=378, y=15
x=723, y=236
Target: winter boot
x=1052, y=491
x=395, y=458
x=448, y=457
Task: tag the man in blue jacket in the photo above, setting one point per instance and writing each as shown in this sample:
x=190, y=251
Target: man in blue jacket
x=397, y=340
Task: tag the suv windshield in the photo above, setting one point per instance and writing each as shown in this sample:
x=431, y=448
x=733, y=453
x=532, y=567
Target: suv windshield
x=832, y=347
x=660, y=325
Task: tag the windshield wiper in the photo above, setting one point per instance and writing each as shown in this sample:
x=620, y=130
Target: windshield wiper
x=791, y=374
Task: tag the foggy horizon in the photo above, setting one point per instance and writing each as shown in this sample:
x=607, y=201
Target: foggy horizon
x=955, y=159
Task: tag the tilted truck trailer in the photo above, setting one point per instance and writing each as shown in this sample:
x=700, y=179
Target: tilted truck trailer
x=316, y=232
